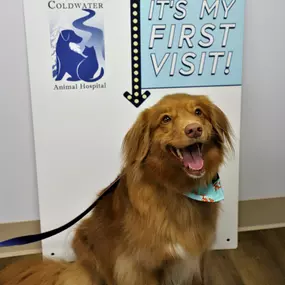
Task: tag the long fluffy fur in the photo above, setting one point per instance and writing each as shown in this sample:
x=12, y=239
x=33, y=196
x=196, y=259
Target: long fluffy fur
x=146, y=231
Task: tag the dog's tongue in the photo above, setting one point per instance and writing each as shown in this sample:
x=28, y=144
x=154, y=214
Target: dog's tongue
x=192, y=158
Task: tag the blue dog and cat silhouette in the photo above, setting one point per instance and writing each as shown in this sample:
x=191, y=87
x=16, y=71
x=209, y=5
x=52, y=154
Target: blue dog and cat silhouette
x=79, y=66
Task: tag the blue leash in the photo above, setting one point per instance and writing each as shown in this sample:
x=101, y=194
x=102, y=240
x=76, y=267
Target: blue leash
x=22, y=240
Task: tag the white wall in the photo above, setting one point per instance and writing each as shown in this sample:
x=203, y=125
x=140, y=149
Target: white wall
x=262, y=167
x=18, y=188
x=262, y=153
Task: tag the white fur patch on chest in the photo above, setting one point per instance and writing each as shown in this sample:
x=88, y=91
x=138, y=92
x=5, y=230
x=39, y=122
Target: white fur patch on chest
x=176, y=250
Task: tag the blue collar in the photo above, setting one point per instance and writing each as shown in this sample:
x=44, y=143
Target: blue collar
x=211, y=193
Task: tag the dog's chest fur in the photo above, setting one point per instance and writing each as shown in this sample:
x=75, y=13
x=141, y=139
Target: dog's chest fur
x=172, y=225
x=177, y=251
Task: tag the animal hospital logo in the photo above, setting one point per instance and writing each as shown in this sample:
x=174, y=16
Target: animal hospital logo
x=77, y=45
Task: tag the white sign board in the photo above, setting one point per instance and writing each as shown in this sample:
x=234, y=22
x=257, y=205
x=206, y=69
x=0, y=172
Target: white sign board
x=94, y=65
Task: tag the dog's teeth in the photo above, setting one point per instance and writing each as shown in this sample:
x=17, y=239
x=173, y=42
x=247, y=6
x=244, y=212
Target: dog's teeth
x=179, y=153
x=199, y=150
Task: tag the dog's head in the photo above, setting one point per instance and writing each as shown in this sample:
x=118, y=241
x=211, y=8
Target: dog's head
x=70, y=37
x=181, y=136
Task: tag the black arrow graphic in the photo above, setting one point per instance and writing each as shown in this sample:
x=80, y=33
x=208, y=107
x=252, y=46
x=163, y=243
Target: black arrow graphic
x=137, y=97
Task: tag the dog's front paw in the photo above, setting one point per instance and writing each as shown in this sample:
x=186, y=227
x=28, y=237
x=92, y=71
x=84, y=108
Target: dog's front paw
x=71, y=79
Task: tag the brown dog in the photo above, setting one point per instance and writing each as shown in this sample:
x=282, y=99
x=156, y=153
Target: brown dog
x=147, y=232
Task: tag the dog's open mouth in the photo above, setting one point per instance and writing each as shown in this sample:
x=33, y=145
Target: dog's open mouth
x=192, y=159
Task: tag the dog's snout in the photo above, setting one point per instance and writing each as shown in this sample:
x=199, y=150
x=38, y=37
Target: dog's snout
x=193, y=130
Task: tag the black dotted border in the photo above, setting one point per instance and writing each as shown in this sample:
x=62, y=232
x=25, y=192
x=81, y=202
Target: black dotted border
x=136, y=98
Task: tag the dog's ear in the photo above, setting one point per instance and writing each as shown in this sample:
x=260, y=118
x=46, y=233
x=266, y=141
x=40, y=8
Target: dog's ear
x=137, y=140
x=222, y=127
x=65, y=35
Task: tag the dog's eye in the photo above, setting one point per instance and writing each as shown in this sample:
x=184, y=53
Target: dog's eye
x=198, y=112
x=166, y=119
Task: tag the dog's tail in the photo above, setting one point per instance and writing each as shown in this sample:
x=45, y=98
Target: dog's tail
x=56, y=67
x=47, y=272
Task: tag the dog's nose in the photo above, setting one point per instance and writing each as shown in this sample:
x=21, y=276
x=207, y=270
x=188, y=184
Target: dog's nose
x=193, y=131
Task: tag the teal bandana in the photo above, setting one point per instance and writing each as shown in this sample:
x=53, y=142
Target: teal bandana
x=212, y=193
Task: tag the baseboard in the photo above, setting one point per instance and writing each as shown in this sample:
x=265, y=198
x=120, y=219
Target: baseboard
x=19, y=229
x=253, y=215
x=261, y=214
